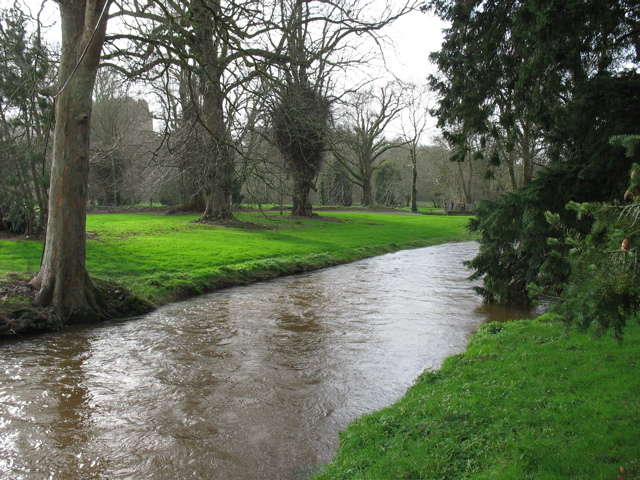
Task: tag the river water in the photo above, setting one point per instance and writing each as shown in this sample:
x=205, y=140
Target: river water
x=247, y=383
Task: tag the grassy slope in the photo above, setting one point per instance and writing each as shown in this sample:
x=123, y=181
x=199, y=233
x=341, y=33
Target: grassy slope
x=162, y=258
x=523, y=402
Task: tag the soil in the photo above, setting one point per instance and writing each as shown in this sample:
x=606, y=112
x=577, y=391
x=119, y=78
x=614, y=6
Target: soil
x=4, y=235
x=16, y=288
x=17, y=308
x=20, y=315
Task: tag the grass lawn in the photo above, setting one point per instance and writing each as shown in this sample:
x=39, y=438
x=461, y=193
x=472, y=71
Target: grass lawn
x=161, y=258
x=523, y=402
x=427, y=208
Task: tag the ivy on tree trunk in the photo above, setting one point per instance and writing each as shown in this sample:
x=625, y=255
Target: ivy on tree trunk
x=301, y=122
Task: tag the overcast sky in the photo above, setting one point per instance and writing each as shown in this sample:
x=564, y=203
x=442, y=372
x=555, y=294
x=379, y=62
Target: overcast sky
x=416, y=36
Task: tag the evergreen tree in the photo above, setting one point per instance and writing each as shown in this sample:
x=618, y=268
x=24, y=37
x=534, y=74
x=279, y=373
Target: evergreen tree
x=565, y=68
x=603, y=288
x=26, y=68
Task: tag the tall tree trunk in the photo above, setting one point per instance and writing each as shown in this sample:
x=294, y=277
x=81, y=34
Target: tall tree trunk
x=63, y=281
x=115, y=172
x=218, y=189
x=219, y=164
x=414, y=180
x=528, y=154
x=41, y=196
x=302, y=186
x=465, y=183
x=512, y=173
x=367, y=190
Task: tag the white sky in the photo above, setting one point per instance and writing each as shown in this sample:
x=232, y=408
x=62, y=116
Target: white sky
x=416, y=36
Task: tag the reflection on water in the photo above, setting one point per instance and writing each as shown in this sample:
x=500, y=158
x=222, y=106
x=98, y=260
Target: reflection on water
x=504, y=313
x=248, y=383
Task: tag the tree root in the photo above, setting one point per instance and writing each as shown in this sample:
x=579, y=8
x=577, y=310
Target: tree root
x=23, y=317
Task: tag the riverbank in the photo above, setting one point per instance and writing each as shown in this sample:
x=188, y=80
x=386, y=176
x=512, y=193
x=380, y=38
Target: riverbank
x=142, y=260
x=524, y=401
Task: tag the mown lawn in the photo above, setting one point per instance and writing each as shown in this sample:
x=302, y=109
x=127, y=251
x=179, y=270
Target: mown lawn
x=523, y=402
x=161, y=258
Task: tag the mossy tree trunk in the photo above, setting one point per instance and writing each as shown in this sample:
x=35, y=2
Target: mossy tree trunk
x=63, y=281
x=414, y=180
x=219, y=164
x=367, y=188
x=302, y=186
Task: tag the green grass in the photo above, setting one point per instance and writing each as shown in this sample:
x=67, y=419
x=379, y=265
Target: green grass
x=161, y=258
x=428, y=210
x=523, y=402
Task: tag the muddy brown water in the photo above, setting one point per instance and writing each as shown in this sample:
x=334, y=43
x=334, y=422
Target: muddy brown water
x=247, y=383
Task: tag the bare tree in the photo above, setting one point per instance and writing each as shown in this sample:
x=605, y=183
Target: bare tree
x=360, y=142
x=414, y=127
x=219, y=49
x=211, y=44
x=519, y=146
x=122, y=140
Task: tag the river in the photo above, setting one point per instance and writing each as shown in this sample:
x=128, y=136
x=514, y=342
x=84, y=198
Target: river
x=247, y=383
